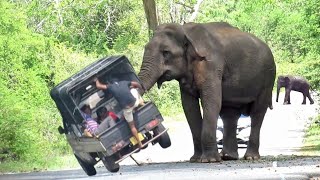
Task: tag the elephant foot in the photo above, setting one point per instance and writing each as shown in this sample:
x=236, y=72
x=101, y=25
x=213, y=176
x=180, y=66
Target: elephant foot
x=210, y=158
x=311, y=102
x=286, y=103
x=229, y=156
x=304, y=103
x=195, y=158
x=252, y=156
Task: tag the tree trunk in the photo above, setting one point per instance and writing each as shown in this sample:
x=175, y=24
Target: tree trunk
x=151, y=15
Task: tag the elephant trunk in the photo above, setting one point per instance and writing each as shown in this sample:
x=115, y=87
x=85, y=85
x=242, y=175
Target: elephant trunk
x=278, y=91
x=149, y=73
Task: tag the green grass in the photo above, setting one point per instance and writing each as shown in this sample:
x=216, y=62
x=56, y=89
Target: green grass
x=60, y=162
x=312, y=139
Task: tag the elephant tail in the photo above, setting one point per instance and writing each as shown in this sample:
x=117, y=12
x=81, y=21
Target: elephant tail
x=270, y=104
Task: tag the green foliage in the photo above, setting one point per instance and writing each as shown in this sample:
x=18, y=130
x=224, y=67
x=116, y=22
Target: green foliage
x=30, y=65
x=312, y=136
x=290, y=28
x=91, y=26
x=310, y=69
x=52, y=163
x=167, y=98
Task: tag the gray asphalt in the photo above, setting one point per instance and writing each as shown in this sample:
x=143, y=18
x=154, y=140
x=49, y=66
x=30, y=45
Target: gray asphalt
x=288, y=167
x=281, y=137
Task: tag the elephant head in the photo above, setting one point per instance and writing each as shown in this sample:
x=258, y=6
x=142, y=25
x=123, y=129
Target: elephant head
x=283, y=81
x=168, y=54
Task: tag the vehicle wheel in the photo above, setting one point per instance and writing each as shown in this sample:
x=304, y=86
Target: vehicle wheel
x=108, y=162
x=87, y=168
x=164, y=139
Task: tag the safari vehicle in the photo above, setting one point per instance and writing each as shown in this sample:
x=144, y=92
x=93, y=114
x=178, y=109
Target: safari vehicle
x=243, y=131
x=116, y=143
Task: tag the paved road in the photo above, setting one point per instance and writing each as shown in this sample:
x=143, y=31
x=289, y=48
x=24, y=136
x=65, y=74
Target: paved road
x=281, y=137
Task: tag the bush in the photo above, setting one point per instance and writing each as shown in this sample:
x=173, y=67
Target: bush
x=30, y=66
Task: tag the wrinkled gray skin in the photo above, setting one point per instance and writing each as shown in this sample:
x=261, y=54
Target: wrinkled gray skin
x=229, y=71
x=295, y=83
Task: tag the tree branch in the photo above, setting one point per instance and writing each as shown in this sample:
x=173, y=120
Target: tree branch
x=39, y=25
x=184, y=5
x=109, y=23
x=195, y=11
x=59, y=12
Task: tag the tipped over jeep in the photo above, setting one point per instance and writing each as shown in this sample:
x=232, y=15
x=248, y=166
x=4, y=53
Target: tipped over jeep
x=115, y=143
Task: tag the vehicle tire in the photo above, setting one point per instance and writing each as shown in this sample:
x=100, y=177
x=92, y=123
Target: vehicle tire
x=164, y=139
x=87, y=168
x=108, y=162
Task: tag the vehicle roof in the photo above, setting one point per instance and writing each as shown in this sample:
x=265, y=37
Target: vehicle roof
x=60, y=93
x=90, y=70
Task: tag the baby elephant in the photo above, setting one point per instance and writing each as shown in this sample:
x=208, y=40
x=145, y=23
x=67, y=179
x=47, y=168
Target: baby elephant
x=295, y=83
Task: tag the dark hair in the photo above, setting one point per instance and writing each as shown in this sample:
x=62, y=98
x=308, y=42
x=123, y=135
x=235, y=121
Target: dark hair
x=101, y=111
x=114, y=79
x=84, y=107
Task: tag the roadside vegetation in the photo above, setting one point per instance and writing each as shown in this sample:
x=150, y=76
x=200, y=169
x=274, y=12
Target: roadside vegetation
x=44, y=42
x=312, y=139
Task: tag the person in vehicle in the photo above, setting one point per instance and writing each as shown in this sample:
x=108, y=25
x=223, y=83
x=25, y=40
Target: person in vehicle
x=90, y=123
x=92, y=128
x=125, y=92
x=103, y=114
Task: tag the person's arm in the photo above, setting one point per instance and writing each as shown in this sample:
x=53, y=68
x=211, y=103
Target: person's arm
x=99, y=85
x=135, y=84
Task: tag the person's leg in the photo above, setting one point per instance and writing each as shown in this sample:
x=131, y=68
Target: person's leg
x=134, y=131
x=102, y=127
x=127, y=113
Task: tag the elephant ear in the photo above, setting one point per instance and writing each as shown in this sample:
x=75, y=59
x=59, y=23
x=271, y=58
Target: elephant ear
x=286, y=79
x=204, y=43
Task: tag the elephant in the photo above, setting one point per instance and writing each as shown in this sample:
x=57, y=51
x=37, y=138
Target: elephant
x=220, y=68
x=295, y=83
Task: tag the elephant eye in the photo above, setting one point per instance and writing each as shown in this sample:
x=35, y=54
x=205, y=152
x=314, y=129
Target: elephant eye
x=166, y=54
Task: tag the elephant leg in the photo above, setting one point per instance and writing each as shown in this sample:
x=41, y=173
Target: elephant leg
x=304, y=98
x=192, y=111
x=309, y=97
x=287, y=96
x=230, y=146
x=257, y=113
x=211, y=103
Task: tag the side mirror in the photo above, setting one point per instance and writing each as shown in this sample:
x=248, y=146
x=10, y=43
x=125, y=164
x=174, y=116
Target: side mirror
x=61, y=130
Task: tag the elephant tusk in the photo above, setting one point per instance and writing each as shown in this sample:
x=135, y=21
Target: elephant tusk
x=159, y=84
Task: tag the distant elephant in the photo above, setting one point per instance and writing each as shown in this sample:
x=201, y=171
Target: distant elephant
x=231, y=72
x=295, y=83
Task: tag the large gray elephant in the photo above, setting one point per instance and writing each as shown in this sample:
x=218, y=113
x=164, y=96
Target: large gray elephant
x=231, y=72
x=295, y=83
